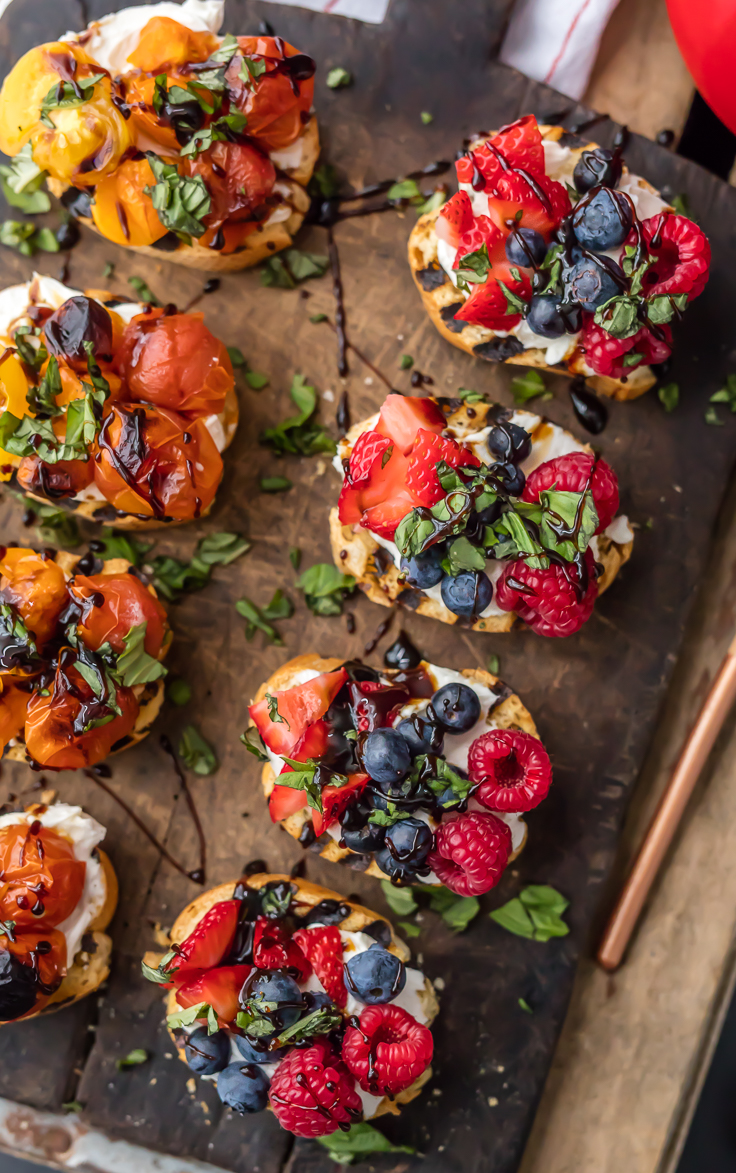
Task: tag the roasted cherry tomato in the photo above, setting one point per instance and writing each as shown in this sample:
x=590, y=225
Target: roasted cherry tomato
x=174, y=361
x=14, y=697
x=42, y=881
x=153, y=462
x=277, y=103
x=51, y=739
x=36, y=586
x=66, y=478
x=13, y=391
x=44, y=951
x=164, y=41
x=238, y=177
x=114, y=604
x=122, y=211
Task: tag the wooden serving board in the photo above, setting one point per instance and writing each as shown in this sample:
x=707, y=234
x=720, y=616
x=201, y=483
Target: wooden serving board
x=595, y=696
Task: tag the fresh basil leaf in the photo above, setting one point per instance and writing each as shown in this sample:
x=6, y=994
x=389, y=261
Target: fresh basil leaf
x=406, y=362
x=251, y=739
x=134, y=665
x=275, y=484
x=319, y=1022
x=514, y=303
x=469, y=396
x=357, y=1142
x=254, y=1023
x=710, y=417
x=56, y=524
x=535, y=913
x=404, y=189
x=236, y=356
x=295, y=557
x=574, y=511
x=513, y=917
x=726, y=394
x=410, y=929
x=324, y=586
x=543, y=896
x=456, y=911
x=528, y=386
x=524, y=1005
x=273, y=711
x=67, y=94
x=224, y=54
x=388, y=817
x=251, y=69
x=530, y=549
x=256, y=380
x=681, y=204
x=463, y=555
x=132, y=1059
x=280, y=607
x=662, y=308
x=300, y=434
x=22, y=183
x=144, y=291
x=224, y=129
x=338, y=78
x=473, y=268
x=172, y=578
x=493, y=664
x=256, y=620
x=293, y=265
x=400, y=900
x=412, y=533
x=32, y=356
x=26, y=238
x=302, y=777
x=42, y=398
x=619, y=316
x=632, y=359
x=197, y=753
x=191, y=1015
x=181, y=203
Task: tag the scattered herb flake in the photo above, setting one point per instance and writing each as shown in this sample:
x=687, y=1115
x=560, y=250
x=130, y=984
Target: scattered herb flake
x=73, y=1106
x=400, y=900
x=315, y=319
x=528, y=386
x=409, y=928
x=469, y=396
x=494, y=664
x=179, y=692
x=324, y=588
x=426, y=117
x=300, y=434
x=132, y=1059
x=338, y=78
x=256, y=380
x=406, y=362
x=525, y=1006
x=237, y=358
x=197, y=753
x=711, y=417
x=27, y=238
x=109, y=269
x=295, y=557
x=172, y=578
x=726, y=394
x=292, y=266
x=669, y=396
x=535, y=913
x=144, y=291
x=360, y=1139
x=275, y=484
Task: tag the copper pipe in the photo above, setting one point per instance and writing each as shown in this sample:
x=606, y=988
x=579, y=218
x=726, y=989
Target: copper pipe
x=669, y=813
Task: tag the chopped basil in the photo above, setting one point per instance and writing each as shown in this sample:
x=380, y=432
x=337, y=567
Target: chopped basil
x=403, y=191
x=22, y=181
x=410, y=929
x=179, y=692
x=400, y=900
x=469, y=396
x=426, y=117
x=258, y=619
x=197, y=753
x=711, y=417
x=535, y=913
x=324, y=588
x=358, y=1142
x=172, y=578
x=67, y=94
x=406, y=362
x=224, y=129
x=275, y=484
x=144, y=291
x=514, y=303
x=315, y=319
x=292, y=266
x=42, y=398
x=181, y=203
x=303, y=777
x=662, y=307
x=524, y=1005
x=295, y=557
x=681, y=204
x=250, y=69
x=273, y=710
x=300, y=434
x=255, y=746
x=463, y=555
x=134, y=665
x=32, y=356
x=256, y=380
x=26, y=238
x=162, y=973
x=437, y=200
x=619, y=316
x=338, y=78
x=580, y=516
x=109, y=269
x=192, y=1013
x=388, y=817
x=456, y=911
x=237, y=358
x=726, y=394
x=319, y=1022
x=474, y=268
x=493, y=664
x=669, y=396
x=132, y=1059
x=528, y=386
x=56, y=525
x=118, y=544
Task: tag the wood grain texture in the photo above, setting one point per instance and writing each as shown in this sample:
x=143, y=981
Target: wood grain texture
x=595, y=696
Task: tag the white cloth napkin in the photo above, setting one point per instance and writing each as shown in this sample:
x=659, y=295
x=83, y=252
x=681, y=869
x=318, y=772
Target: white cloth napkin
x=556, y=41
x=370, y=11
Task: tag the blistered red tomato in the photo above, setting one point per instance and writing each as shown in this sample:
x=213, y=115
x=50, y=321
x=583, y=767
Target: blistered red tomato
x=42, y=881
x=66, y=478
x=175, y=361
x=277, y=103
x=45, y=950
x=118, y=602
x=56, y=730
x=238, y=177
x=14, y=697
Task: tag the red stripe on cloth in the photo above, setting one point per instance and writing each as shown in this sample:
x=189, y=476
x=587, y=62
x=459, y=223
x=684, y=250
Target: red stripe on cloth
x=566, y=42
x=329, y=5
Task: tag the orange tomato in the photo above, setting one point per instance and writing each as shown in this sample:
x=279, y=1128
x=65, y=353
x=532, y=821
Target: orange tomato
x=43, y=950
x=174, y=361
x=276, y=107
x=166, y=42
x=42, y=881
x=234, y=235
x=122, y=211
x=153, y=462
x=140, y=89
x=51, y=739
x=66, y=478
x=120, y=601
x=36, y=586
x=14, y=698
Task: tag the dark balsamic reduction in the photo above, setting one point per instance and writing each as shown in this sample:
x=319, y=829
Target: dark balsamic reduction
x=379, y=634
x=198, y=874
x=340, y=317
x=402, y=653
x=342, y=418
x=588, y=408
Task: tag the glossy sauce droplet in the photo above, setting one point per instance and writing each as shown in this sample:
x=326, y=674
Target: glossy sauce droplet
x=588, y=408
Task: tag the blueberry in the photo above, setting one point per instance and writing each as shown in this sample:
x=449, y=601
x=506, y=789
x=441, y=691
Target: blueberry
x=532, y=251
x=375, y=976
x=243, y=1087
x=456, y=707
x=544, y=317
x=250, y=1052
x=602, y=222
x=488, y=515
x=410, y=841
x=18, y=987
x=365, y=839
x=591, y=285
x=205, y=1054
x=398, y=872
x=598, y=168
x=424, y=570
x=268, y=985
x=468, y=593
x=386, y=756
x=421, y=735
x=318, y=1000
x=512, y=478
x=509, y=442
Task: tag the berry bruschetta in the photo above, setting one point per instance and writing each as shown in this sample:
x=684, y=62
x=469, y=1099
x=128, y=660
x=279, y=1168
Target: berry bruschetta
x=116, y=410
x=57, y=896
x=162, y=135
x=416, y=775
x=81, y=645
x=293, y=998
x=477, y=515
x=554, y=255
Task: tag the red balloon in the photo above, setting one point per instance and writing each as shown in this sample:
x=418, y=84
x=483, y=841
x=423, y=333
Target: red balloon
x=707, y=40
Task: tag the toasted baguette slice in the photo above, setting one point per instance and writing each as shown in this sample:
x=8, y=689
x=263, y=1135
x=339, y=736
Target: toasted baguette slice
x=438, y=293
x=308, y=895
x=356, y=551
x=511, y=713
x=150, y=697
x=261, y=244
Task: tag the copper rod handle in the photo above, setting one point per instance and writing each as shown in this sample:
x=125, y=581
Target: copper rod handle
x=667, y=818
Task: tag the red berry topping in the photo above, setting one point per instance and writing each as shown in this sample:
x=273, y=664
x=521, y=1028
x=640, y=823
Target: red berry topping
x=482, y=232
x=323, y=947
x=605, y=354
x=312, y=1093
x=513, y=769
x=455, y=218
x=488, y=305
x=570, y=474
x=369, y=447
x=548, y=600
x=471, y=853
x=274, y=948
x=218, y=987
x=514, y=193
x=208, y=942
x=388, y=1051
x=429, y=449
x=682, y=256
x=519, y=144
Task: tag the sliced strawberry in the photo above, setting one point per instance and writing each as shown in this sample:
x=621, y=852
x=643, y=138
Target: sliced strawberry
x=369, y=447
x=285, y=800
x=384, y=519
x=455, y=218
x=274, y=948
x=208, y=942
x=335, y=800
x=402, y=416
x=323, y=946
x=520, y=144
x=298, y=708
x=422, y=480
x=512, y=193
x=219, y=988
x=487, y=305
x=482, y=232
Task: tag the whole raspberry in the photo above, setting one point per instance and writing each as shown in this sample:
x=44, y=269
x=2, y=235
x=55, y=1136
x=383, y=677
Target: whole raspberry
x=471, y=853
x=681, y=255
x=312, y=1093
x=322, y=945
x=547, y=600
x=605, y=354
x=273, y=948
x=388, y=1050
x=570, y=474
x=513, y=769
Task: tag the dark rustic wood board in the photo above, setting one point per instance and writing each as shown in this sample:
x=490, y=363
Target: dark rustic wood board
x=595, y=696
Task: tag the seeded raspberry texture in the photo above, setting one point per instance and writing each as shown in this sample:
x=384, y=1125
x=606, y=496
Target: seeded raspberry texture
x=548, y=601
x=605, y=354
x=323, y=947
x=513, y=769
x=570, y=474
x=401, y=1046
x=471, y=852
x=273, y=948
x=312, y=1093
x=681, y=256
